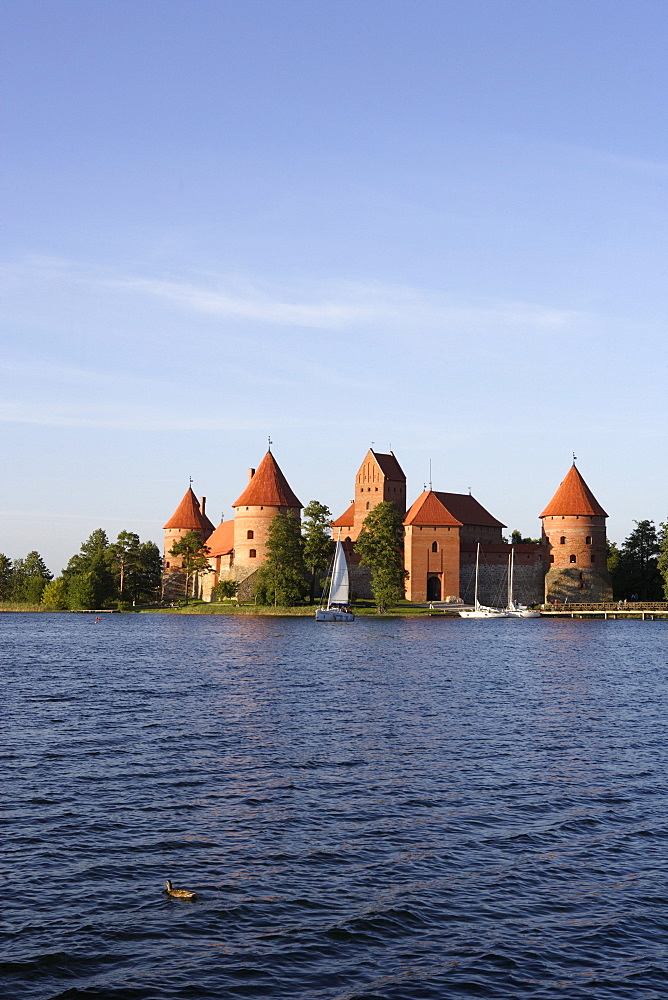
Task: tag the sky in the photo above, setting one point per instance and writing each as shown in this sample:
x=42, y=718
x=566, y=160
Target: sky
x=432, y=227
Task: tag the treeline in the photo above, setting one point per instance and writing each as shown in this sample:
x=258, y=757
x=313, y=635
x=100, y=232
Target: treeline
x=101, y=574
x=639, y=567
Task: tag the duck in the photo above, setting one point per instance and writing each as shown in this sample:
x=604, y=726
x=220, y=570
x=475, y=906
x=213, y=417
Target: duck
x=180, y=893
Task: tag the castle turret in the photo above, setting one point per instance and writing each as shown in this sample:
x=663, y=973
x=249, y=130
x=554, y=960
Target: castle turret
x=574, y=534
x=188, y=516
x=267, y=494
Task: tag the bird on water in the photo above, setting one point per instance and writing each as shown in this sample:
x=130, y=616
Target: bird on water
x=180, y=893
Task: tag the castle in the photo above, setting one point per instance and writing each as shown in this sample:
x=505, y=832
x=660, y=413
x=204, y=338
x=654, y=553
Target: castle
x=442, y=532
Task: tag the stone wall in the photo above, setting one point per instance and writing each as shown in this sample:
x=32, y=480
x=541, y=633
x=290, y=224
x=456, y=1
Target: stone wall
x=528, y=585
x=577, y=585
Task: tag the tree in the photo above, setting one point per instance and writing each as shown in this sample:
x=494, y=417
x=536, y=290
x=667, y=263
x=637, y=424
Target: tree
x=194, y=555
x=317, y=541
x=94, y=587
x=225, y=589
x=147, y=577
x=517, y=538
x=636, y=574
x=380, y=545
x=282, y=578
x=36, y=576
x=54, y=595
x=29, y=577
x=5, y=577
x=662, y=562
x=124, y=556
x=95, y=544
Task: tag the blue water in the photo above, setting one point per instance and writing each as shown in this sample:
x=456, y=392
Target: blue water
x=392, y=809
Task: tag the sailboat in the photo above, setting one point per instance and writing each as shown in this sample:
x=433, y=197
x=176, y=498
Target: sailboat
x=336, y=606
x=479, y=610
x=515, y=610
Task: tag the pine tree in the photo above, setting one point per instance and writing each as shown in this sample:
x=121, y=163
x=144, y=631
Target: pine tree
x=282, y=578
x=636, y=575
x=380, y=545
x=317, y=542
x=124, y=557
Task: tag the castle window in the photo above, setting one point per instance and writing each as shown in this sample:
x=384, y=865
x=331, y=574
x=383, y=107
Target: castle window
x=376, y=489
x=588, y=540
x=368, y=505
x=573, y=559
x=249, y=534
x=551, y=558
x=166, y=565
x=562, y=540
x=252, y=554
x=434, y=546
x=582, y=576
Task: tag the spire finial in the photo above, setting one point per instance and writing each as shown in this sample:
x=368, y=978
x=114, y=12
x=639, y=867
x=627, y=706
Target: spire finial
x=575, y=458
x=430, y=485
x=469, y=491
x=190, y=480
x=270, y=442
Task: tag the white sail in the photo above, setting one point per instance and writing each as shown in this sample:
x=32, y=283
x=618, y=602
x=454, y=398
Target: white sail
x=338, y=591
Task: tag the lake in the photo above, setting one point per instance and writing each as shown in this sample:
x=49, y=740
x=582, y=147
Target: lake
x=396, y=809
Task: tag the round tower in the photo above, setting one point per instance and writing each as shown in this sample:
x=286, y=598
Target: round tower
x=266, y=495
x=574, y=534
x=189, y=516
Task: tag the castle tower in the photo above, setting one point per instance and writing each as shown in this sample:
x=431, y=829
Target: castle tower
x=574, y=534
x=431, y=550
x=379, y=479
x=266, y=495
x=189, y=516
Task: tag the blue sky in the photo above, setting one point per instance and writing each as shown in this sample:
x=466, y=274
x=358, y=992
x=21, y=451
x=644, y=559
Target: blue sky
x=438, y=227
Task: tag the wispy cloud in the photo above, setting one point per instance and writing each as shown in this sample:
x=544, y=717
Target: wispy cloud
x=333, y=305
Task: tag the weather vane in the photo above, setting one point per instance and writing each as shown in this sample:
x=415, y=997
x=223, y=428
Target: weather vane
x=191, y=480
x=270, y=442
x=574, y=458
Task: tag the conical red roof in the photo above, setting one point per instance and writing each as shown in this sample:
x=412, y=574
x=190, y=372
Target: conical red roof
x=268, y=487
x=573, y=498
x=189, y=516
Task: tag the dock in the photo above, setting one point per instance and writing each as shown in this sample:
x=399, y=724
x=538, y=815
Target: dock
x=643, y=610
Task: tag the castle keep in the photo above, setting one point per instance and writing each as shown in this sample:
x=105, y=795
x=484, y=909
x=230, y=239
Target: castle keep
x=442, y=532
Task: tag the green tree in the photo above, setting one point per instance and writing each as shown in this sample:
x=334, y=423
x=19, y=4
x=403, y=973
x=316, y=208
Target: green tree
x=54, y=595
x=662, y=562
x=318, y=543
x=636, y=575
x=124, y=557
x=97, y=543
x=5, y=577
x=517, y=538
x=28, y=579
x=194, y=556
x=612, y=561
x=94, y=587
x=225, y=589
x=147, y=577
x=282, y=578
x=381, y=547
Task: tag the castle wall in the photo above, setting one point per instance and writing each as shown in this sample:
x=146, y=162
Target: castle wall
x=258, y=521
x=577, y=558
x=528, y=584
x=566, y=583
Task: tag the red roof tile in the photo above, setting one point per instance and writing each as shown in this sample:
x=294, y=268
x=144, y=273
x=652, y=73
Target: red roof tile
x=573, y=498
x=428, y=509
x=467, y=509
x=389, y=466
x=221, y=542
x=347, y=519
x=268, y=487
x=189, y=516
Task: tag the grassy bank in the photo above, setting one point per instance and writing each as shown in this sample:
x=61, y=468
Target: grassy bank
x=362, y=608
